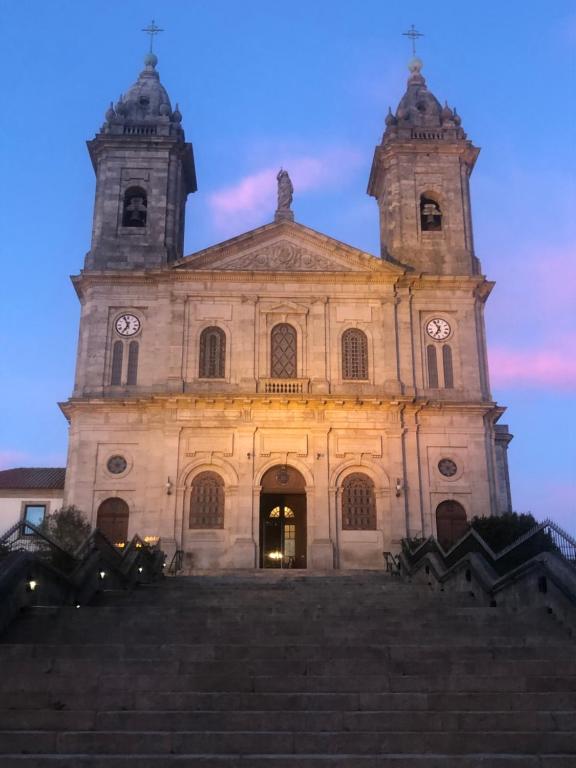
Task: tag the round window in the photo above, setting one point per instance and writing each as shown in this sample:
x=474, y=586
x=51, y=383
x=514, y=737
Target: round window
x=447, y=467
x=116, y=464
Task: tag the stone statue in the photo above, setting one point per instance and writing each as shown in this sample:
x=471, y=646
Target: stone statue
x=285, y=190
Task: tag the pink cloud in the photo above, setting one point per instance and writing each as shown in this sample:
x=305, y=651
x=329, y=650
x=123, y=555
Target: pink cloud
x=550, y=368
x=252, y=200
x=9, y=458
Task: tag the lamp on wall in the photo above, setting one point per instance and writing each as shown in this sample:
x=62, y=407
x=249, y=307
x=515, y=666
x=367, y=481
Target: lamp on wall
x=398, y=486
x=168, y=487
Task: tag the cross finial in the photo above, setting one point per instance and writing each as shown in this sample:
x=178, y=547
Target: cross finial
x=413, y=34
x=152, y=30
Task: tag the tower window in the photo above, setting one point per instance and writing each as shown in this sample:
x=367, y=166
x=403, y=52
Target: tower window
x=117, y=355
x=212, y=353
x=430, y=215
x=283, y=352
x=132, y=373
x=207, y=501
x=447, y=365
x=358, y=503
x=354, y=354
x=432, y=366
x=135, y=207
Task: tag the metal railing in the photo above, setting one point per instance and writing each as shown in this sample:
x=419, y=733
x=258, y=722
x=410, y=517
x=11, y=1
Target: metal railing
x=176, y=562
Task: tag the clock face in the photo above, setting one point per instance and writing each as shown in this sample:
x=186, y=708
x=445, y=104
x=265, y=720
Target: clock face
x=447, y=467
x=438, y=328
x=127, y=325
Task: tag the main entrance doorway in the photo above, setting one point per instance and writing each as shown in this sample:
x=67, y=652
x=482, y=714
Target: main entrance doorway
x=283, y=519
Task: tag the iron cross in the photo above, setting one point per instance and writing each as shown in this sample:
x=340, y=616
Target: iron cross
x=413, y=34
x=152, y=30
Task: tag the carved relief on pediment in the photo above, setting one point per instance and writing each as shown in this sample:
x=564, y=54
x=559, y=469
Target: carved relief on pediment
x=284, y=257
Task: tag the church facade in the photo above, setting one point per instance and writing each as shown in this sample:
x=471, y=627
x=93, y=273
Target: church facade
x=282, y=399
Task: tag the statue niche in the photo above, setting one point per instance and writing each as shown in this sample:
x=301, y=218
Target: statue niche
x=135, y=207
x=430, y=214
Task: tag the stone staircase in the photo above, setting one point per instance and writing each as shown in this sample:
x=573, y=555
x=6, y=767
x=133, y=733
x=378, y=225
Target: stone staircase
x=277, y=670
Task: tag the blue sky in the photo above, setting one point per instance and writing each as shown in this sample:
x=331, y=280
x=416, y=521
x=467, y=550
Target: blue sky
x=305, y=85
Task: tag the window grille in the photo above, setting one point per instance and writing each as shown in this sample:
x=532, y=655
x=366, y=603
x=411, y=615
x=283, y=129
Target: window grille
x=358, y=503
x=207, y=501
x=117, y=355
x=447, y=364
x=132, y=374
x=212, y=353
x=283, y=352
x=354, y=354
x=432, y=366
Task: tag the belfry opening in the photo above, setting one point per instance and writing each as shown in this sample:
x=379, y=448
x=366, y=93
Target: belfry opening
x=282, y=519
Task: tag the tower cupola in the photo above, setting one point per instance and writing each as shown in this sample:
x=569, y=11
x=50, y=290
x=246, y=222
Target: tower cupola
x=144, y=172
x=420, y=178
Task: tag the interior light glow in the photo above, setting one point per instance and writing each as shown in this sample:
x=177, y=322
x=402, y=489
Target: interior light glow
x=275, y=555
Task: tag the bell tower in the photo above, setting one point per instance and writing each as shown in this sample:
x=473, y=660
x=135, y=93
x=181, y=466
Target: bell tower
x=144, y=173
x=420, y=179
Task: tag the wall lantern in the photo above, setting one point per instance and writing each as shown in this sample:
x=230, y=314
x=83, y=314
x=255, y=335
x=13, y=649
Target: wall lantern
x=168, y=487
x=398, y=486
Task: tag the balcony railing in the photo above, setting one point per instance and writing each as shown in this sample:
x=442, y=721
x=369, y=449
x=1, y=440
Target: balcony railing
x=283, y=386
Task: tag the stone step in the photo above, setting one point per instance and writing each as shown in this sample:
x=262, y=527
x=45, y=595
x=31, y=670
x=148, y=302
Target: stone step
x=318, y=652
x=274, y=742
x=285, y=720
x=347, y=683
x=481, y=760
x=226, y=701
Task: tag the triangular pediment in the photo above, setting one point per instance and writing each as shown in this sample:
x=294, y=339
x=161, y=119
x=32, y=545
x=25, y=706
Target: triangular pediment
x=284, y=247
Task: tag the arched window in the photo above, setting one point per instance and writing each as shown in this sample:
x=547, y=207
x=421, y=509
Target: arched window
x=117, y=355
x=430, y=214
x=358, y=503
x=432, y=366
x=212, y=353
x=447, y=365
x=132, y=373
x=451, y=523
x=112, y=520
x=283, y=352
x=207, y=501
x=134, y=212
x=354, y=354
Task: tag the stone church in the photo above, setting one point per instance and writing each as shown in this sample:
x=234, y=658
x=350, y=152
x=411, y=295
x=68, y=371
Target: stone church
x=283, y=399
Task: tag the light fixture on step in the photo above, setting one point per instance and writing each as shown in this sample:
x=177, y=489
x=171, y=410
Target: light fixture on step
x=32, y=584
x=140, y=569
x=168, y=487
x=102, y=575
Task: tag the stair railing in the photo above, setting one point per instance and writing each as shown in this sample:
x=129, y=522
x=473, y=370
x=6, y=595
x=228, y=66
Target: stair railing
x=176, y=563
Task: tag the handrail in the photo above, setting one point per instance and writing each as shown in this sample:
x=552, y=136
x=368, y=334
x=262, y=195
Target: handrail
x=176, y=562
x=392, y=563
x=35, y=570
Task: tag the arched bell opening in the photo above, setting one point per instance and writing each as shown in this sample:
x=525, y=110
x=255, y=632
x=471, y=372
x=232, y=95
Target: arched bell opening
x=112, y=520
x=283, y=522
x=451, y=522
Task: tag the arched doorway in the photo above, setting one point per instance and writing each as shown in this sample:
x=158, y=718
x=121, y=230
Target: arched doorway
x=451, y=522
x=283, y=519
x=112, y=520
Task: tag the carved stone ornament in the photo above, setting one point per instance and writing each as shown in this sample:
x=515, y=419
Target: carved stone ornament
x=284, y=257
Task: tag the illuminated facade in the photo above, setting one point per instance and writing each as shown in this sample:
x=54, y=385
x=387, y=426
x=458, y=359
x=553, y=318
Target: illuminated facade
x=283, y=399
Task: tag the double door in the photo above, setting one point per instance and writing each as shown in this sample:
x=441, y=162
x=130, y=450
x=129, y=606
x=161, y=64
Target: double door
x=282, y=530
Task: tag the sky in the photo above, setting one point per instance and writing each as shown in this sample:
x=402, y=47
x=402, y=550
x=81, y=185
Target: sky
x=304, y=85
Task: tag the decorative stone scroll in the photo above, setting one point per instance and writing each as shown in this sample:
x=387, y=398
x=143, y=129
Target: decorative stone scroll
x=284, y=257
